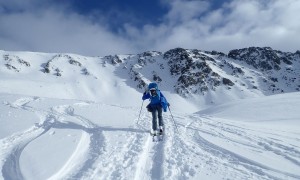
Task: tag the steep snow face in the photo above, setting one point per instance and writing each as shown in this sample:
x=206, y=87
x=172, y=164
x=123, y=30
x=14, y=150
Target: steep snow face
x=279, y=71
x=110, y=79
x=65, y=76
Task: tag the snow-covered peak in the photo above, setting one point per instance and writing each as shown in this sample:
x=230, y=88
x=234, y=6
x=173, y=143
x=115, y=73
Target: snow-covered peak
x=207, y=77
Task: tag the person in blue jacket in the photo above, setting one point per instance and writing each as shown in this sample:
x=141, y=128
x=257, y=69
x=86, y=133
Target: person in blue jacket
x=158, y=103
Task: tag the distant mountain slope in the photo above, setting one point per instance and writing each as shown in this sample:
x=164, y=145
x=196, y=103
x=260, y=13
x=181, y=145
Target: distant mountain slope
x=209, y=76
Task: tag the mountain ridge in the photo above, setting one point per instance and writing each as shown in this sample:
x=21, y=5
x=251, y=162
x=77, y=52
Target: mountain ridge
x=252, y=71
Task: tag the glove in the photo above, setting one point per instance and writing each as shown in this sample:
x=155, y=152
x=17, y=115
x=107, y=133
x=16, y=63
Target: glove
x=146, y=91
x=168, y=105
x=165, y=110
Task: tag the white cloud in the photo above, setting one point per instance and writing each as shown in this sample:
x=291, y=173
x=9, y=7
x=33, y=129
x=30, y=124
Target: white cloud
x=188, y=24
x=185, y=10
x=239, y=24
x=53, y=30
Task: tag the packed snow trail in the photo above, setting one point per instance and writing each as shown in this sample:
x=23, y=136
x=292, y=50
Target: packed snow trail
x=93, y=143
x=151, y=159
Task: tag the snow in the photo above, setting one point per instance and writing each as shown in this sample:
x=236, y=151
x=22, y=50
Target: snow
x=94, y=127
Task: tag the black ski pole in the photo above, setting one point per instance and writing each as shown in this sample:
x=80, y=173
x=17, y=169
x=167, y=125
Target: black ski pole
x=173, y=120
x=140, y=113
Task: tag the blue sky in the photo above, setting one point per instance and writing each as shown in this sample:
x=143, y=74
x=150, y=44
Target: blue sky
x=138, y=12
x=103, y=27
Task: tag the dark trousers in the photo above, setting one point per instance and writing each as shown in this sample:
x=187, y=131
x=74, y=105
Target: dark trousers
x=157, y=112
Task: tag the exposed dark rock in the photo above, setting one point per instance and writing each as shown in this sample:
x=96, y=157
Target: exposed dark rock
x=156, y=78
x=58, y=72
x=11, y=67
x=137, y=77
x=13, y=61
x=193, y=71
x=260, y=58
x=227, y=82
x=47, y=67
x=23, y=62
x=85, y=71
x=74, y=62
x=113, y=59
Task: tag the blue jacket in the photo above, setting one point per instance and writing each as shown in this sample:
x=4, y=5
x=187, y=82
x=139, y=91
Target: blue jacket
x=159, y=99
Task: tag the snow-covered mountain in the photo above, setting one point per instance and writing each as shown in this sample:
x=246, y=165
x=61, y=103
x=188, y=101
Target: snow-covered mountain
x=190, y=73
x=67, y=116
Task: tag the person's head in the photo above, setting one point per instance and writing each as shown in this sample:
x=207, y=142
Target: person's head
x=153, y=88
x=153, y=92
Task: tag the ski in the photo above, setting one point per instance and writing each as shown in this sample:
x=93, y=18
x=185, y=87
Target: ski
x=161, y=136
x=154, y=139
x=157, y=136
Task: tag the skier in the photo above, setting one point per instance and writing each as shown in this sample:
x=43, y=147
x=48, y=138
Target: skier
x=157, y=103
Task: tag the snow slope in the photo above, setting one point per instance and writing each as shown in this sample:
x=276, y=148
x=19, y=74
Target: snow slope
x=43, y=138
x=93, y=127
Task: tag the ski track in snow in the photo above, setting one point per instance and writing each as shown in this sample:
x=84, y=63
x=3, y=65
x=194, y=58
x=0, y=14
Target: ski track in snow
x=187, y=154
x=151, y=159
x=96, y=145
x=13, y=146
x=252, y=168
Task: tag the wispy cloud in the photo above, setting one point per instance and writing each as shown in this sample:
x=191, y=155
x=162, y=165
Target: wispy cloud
x=53, y=29
x=36, y=26
x=235, y=25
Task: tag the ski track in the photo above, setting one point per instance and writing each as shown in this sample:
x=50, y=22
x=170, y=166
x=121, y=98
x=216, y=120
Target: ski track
x=96, y=147
x=151, y=160
x=13, y=146
x=121, y=159
x=253, y=169
x=186, y=154
x=167, y=159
